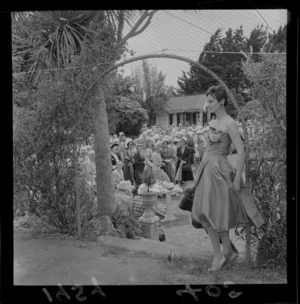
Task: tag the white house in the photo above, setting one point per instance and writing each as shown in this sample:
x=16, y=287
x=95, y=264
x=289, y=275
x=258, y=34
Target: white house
x=187, y=110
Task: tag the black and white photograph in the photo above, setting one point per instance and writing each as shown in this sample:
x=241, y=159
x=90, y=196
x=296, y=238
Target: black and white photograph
x=149, y=148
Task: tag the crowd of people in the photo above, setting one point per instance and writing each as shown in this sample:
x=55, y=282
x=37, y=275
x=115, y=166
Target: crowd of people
x=165, y=151
x=171, y=153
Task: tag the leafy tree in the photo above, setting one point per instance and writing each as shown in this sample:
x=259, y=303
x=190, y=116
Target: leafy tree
x=103, y=48
x=226, y=63
x=277, y=41
x=151, y=85
x=123, y=108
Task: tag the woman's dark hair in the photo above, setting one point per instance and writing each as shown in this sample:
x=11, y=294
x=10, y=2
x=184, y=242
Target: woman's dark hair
x=219, y=93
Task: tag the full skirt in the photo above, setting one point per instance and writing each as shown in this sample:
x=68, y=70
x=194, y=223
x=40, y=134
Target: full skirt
x=216, y=202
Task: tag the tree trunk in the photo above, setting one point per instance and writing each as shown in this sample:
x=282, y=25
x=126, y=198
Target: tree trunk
x=77, y=193
x=104, y=179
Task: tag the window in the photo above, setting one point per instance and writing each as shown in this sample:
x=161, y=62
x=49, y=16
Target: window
x=170, y=119
x=194, y=121
x=178, y=118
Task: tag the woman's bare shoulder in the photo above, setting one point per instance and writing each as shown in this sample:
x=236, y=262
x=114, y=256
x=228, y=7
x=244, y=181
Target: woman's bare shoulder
x=229, y=122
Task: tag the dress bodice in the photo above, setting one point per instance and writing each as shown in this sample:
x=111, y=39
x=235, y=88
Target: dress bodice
x=218, y=142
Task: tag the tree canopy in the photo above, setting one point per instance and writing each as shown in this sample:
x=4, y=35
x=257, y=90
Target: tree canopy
x=222, y=55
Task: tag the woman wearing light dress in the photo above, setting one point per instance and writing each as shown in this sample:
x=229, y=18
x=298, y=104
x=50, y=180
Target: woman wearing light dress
x=159, y=173
x=148, y=154
x=168, y=156
x=217, y=205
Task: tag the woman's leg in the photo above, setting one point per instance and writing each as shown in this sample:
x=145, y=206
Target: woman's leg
x=215, y=241
x=219, y=259
x=226, y=242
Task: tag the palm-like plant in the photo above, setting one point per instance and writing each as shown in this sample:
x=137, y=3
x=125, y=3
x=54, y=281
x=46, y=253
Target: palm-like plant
x=51, y=39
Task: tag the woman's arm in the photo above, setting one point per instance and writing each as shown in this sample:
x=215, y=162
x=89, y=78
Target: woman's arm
x=178, y=157
x=238, y=144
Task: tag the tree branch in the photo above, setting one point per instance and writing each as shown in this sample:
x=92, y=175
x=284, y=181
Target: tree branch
x=134, y=31
x=121, y=19
x=144, y=26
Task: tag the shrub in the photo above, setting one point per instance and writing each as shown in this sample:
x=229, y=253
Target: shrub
x=126, y=224
x=267, y=139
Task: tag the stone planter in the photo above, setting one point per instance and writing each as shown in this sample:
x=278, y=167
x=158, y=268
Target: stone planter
x=149, y=221
x=149, y=200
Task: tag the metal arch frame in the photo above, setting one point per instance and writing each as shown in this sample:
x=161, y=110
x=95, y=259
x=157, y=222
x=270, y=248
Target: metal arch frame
x=200, y=66
x=176, y=57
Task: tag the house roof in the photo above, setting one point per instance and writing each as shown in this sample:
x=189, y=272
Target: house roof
x=185, y=103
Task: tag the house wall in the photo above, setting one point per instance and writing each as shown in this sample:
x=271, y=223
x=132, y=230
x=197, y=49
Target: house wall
x=162, y=120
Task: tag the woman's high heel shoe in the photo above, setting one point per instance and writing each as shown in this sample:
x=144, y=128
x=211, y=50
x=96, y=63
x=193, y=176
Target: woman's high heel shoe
x=217, y=264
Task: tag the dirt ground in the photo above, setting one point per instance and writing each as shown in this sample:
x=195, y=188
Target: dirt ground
x=49, y=260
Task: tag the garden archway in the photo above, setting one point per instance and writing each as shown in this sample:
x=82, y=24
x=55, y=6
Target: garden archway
x=102, y=111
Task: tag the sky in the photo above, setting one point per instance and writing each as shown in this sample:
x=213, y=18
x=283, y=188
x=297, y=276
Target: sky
x=185, y=33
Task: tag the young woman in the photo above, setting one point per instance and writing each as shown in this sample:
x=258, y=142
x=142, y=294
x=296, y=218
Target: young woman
x=168, y=156
x=129, y=162
x=184, y=158
x=159, y=173
x=148, y=154
x=217, y=205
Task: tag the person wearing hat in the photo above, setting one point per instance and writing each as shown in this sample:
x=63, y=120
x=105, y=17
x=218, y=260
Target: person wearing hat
x=121, y=152
x=123, y=196
x=139, y=165
x=184, y=158
x=129, y=162
x=150, y=144
x=158, y=172
x=118, y=173
x=191, y=144
x=136, y=142
x=168, y=156
x=148, y=154
x=114, y=157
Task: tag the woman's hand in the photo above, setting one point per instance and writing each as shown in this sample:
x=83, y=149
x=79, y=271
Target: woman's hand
x=237, y=185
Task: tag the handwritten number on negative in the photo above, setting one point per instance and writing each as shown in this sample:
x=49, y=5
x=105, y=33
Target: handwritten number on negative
x=62, y=292
x=80, y=292
x=189, y=290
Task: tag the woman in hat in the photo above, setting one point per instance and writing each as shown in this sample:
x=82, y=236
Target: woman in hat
x=184, y=158
x=191, y=144
x=150, y=144
x=114, y=157
x=135, y=143
x=168, y=156
x=129, y=162
x=121, y=152
x=159, y=173
x=118, y=173
x=139, y=165
x=217, y=205
x=148, y=154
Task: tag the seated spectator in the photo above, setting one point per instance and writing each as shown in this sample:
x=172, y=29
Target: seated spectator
x=118, y=173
